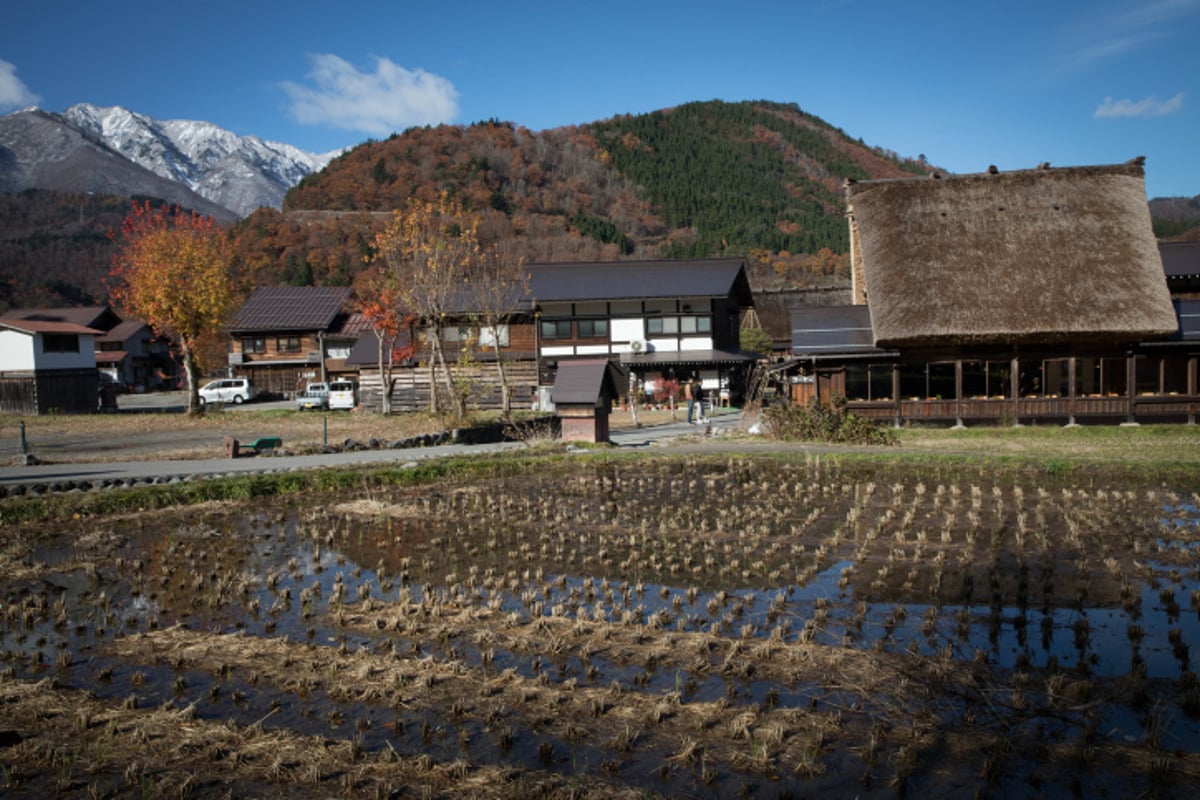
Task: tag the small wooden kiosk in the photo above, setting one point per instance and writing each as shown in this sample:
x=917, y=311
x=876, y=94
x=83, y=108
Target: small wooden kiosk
x=583, y=393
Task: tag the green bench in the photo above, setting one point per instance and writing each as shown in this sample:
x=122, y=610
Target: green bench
x=263, y=444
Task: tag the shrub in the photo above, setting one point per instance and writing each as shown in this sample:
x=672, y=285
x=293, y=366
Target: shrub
x=823, y=422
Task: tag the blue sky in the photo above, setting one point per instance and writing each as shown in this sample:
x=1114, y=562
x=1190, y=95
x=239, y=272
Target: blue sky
x=967, y=84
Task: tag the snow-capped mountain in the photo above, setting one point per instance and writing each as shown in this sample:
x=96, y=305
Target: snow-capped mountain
x=241, y=173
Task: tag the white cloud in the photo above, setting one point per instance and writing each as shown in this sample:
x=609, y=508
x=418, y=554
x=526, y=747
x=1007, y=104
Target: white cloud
x=14, y=93
x=1102, y=37
x=1146, y=107
x=380, y=103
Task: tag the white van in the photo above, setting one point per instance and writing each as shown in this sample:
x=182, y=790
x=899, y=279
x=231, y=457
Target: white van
x=342, y=395
x=227, y=390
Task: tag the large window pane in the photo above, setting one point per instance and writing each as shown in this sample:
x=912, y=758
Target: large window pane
x=1113, y=377
x=1057, y=373
x=858, y=385
x=1030, y=382
x=1147, y=368
x=1175, y=375
x=999, y=379
x=1087, y=377
x=942, y=382
x=881, y=382
x=974, y=379
x=912, y=382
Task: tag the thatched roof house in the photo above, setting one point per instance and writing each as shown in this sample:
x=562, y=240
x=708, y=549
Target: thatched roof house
x=1044, y=256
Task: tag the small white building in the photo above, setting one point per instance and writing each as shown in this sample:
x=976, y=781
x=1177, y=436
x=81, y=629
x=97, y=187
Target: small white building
x=47, y=366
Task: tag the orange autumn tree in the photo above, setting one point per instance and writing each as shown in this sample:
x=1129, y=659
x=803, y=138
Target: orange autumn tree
x=172, y=269
x=432, y=249
x=378, y=298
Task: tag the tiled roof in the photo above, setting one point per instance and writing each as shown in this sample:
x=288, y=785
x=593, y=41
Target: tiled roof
x=349, y=326
x=584, y=382
x=42, y=326
x=122, y=332
x=630, y=280
x=96, y=317
x=1180, y=259
x=832, y=330
x=290, y=308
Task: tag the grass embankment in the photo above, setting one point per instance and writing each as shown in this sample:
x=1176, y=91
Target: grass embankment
x=1148, y=456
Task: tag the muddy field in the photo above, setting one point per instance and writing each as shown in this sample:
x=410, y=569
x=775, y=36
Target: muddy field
x=689, y=626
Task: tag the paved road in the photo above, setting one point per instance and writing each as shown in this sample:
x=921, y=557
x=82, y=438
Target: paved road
x=59, y=477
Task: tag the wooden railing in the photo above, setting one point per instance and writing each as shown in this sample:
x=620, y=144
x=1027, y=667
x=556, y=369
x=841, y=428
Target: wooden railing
x=1028, y=409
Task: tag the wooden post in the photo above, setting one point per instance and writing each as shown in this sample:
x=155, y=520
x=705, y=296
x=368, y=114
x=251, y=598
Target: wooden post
x=958, y=394
x=896, y=393
x=1015, y=380
x=1130, y=388
x=1071, y=392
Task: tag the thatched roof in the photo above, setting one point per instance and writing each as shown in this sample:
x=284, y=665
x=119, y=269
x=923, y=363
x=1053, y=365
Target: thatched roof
x=1044, y=255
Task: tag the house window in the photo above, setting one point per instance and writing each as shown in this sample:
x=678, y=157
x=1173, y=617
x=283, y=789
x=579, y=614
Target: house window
x=1175, y=375
x=458, y=333
x=110, y=347
x=556, y=329
x=493, y=336
x=942, y=384
x=287, y=344
x=672, y=325
x=913, y=384
x=254, y=344
x=869, y=382
x=60, y=343
x=593, y=328
x=1057, y=372
x=858, y=382
x=662, y=325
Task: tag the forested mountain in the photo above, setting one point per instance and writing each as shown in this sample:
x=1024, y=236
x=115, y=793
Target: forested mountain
x=758, y=179
x=703, y=179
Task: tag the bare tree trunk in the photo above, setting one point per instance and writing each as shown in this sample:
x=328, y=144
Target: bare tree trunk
x=440, y=356
x=385, y=375
x=505, y=389
x=189, y=370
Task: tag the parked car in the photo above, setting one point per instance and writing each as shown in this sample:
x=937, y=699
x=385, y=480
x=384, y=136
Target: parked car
x=342, y=395
x=227, y=390
x=315, y=396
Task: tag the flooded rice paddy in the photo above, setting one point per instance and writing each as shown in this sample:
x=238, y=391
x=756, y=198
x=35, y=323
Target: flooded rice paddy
x=687, y=627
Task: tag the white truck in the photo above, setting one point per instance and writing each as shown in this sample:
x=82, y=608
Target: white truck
x=315, y=396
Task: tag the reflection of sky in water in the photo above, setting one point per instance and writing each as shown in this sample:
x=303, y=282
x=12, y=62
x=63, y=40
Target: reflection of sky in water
x=291, y=582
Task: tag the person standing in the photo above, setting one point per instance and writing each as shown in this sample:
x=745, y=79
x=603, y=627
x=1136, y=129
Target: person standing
x=694, y=401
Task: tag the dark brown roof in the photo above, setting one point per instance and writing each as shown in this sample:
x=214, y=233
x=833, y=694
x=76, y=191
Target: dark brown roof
x=349, y=326
x=44, y=326
x=290, y=308
x=122, y=332
x=819, y=331
x=1180, y=259
x=1045, y=255
x=632, y=280
x=584, y=382
x=693, y=358
x=99, y=318
x=774, y=307
x=365, y=351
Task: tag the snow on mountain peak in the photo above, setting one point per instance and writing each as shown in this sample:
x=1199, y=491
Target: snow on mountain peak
x=241, y=173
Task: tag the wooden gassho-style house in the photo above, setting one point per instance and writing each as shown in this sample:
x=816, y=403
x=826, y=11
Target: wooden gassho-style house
x=1017, y=296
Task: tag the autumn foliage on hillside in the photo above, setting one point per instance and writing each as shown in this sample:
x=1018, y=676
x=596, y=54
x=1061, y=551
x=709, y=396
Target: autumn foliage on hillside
x=706, y=179
x=759, y=179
